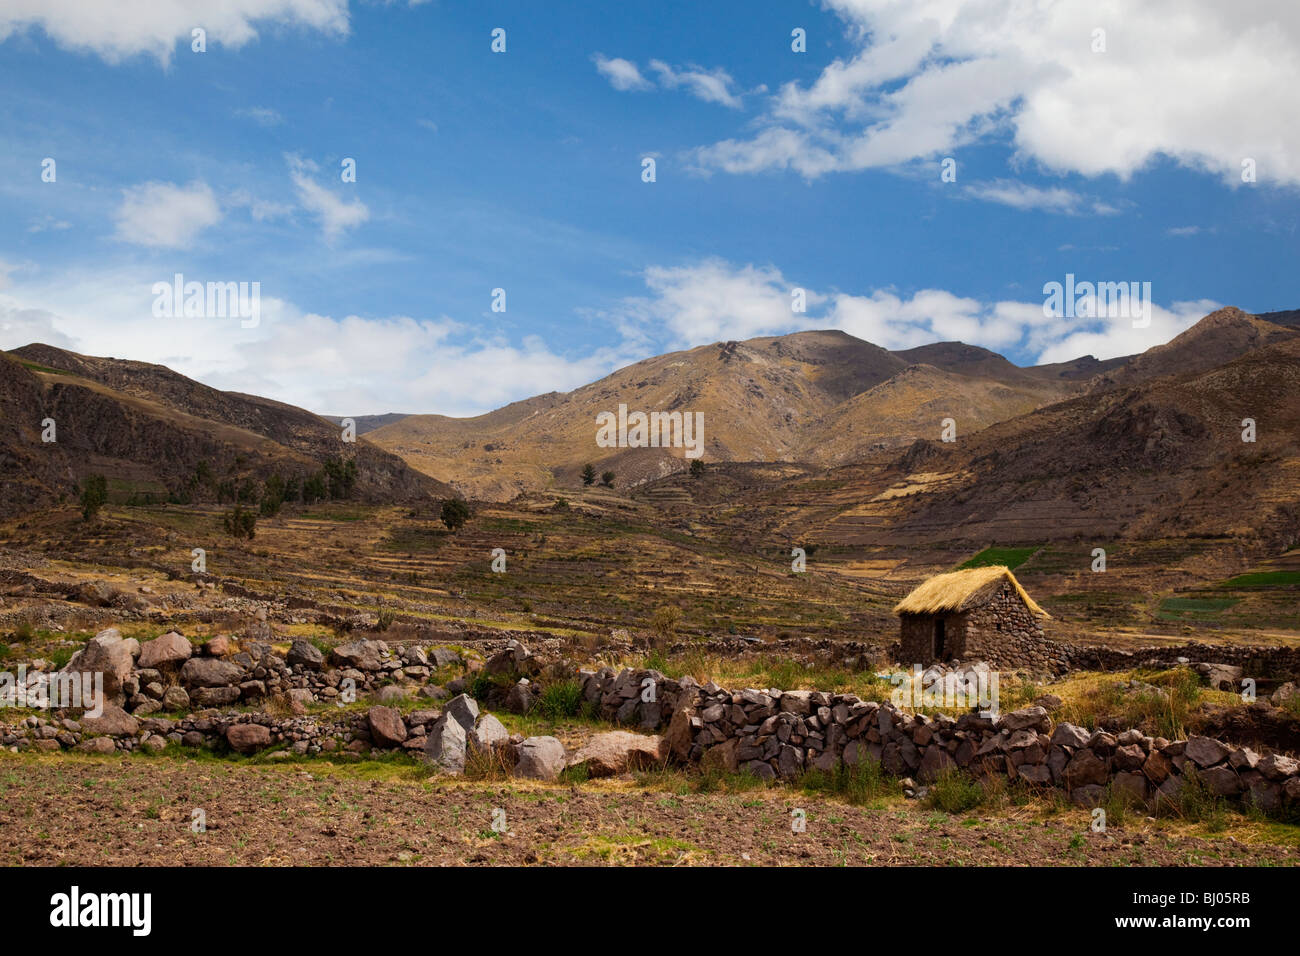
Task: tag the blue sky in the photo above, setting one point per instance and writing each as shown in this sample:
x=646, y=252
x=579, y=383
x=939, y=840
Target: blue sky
x=522, y=170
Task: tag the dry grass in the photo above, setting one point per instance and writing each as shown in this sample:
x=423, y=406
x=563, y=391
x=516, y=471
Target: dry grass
x=954, y=591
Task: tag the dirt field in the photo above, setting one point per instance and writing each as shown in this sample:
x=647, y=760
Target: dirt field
x=73, y=809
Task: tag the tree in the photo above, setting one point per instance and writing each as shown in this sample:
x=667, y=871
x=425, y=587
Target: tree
x=342, y=476
x=314, y=488
x=240, y=523
x=94, y=492
x=607, y=479
x=588, y=474
x=455, y=513
x=697, y=468
x=273, y=495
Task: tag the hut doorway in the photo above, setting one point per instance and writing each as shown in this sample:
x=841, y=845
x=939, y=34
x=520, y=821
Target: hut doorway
x=940, y=640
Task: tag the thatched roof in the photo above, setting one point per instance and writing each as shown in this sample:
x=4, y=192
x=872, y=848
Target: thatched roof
x=962, y=590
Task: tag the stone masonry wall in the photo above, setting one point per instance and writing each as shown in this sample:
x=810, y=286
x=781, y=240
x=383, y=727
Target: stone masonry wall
x=775, y=734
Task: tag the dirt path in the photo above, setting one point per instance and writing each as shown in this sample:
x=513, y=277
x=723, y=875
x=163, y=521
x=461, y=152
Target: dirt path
x=126, y=811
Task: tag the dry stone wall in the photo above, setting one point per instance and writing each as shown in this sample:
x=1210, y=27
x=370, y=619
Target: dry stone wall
x=781, y=734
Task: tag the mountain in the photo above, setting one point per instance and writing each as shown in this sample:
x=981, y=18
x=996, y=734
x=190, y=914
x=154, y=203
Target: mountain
x=1219, y=337
x=155, y=434
x=367, y=423
x=1163, y=457
x=807, y=397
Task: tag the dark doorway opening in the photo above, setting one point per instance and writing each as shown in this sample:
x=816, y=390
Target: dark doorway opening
x=940, y=641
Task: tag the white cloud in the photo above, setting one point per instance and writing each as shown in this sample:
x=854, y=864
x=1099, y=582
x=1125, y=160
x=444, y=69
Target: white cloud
x=1018, y=195
x=345, y=364
x=164, y=215
x=117, y=31
x=622, y=74
x=715, y=301
x=261, y=115
x=1195, y=80
x=712, y=87
x=362, y=365
x=336, y=215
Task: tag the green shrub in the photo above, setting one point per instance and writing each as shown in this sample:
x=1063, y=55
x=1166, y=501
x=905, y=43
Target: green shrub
x=454, y=513
x=94, y=493
x=561, y=700
x=240, y=523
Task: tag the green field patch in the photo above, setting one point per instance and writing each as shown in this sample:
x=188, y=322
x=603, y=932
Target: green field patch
x=123, y=491
x=1263, y=579
x=1194, y=608
x=1011, y=557
x=415, y=539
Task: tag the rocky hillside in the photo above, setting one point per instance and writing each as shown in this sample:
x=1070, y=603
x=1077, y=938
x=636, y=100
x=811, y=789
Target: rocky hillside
x=818, y=397
x=1163, y=457
x=156, y=435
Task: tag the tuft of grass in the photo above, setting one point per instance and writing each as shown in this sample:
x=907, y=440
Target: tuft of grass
x=1196, y=804
x=955, y=792
x=858, y=785
x=560, y=701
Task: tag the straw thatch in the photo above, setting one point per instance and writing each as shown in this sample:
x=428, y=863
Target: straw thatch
x=961, y=590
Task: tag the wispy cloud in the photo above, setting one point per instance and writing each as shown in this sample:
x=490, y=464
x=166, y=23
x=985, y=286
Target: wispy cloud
x=711, y=86
x=1018, y=195
x=622, y=74
x=261, y=115
x=335, y=214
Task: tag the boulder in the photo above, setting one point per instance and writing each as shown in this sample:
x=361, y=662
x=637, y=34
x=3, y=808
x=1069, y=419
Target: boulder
x=1085, y=769
x=464, y=710
x=176, y=698
x=166, y=651
x=514, y=659
x=486, y=733
x=106, y=653
x=210, y=672
x=392, y=693
x=445, y=744
x=1026, y=718
x=519, y=699
x=363, y=655
x=1220, y=676
x=248, y=738
x=305, y=654
x=1284, y=693
x=1222, y=781
x=114, y=720
x=1130, y=787
x=540, y=758
x=1206, y=751
x=386, y=727
x=1069, y=735
x=618, y=751
x=680, y=734
x=219, y=646
x=214, y=696
x=1278, y=766
x=935, y=762
x=443, y=656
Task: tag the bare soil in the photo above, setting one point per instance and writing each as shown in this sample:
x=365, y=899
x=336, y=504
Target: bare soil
x=73, y=809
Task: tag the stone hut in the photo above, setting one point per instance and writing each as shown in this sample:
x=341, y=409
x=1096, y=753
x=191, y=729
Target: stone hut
x=978, y=613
